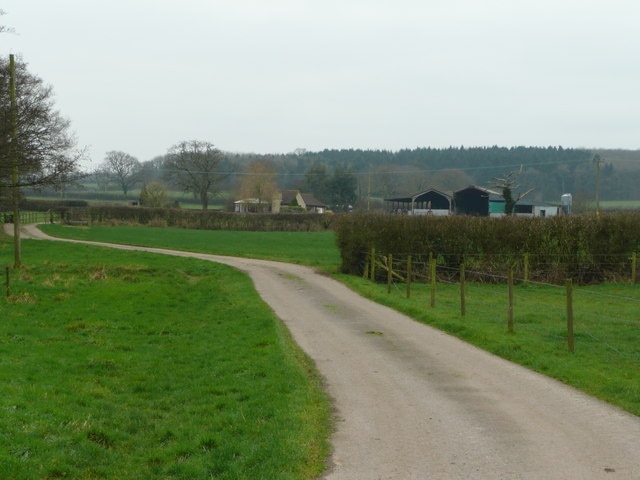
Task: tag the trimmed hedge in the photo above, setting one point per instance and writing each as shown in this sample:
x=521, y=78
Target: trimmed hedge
x=197, y=219
x=585, y=248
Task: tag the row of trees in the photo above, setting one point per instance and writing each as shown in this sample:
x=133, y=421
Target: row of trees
x=193, y=166
x=199, y=168
x=346, y=177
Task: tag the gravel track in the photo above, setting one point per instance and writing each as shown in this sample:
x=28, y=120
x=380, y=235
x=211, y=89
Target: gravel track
x=414, y=403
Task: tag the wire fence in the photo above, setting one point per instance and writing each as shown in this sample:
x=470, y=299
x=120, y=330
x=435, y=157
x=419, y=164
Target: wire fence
x=31, y=217
x=603, y=318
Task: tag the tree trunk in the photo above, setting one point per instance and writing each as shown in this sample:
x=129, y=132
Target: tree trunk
x=13, y=158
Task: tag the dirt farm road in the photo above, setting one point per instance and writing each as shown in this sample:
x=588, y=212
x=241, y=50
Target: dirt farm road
x=414, y=403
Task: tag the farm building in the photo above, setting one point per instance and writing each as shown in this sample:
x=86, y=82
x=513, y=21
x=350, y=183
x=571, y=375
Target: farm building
x=429, y=202
x=477, y=201
x=251, y=205
x=294, y=198
x=488, y=203
x=281, y=200
x=472, y=200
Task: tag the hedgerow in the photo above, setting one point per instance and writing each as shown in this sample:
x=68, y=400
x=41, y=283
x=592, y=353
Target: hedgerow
x=586, y=248
x=197, y=219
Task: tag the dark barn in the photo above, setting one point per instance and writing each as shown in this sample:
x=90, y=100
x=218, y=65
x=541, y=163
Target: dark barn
x=474, y=201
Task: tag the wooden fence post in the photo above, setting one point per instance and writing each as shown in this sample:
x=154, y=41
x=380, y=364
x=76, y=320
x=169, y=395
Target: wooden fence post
x=634, y=267
x=570, y=314
x=372, y=264
x=510, y=316
x=432, y=270
x=409, y=276
x=526, y=267
x=389, y=272
x=463, y=306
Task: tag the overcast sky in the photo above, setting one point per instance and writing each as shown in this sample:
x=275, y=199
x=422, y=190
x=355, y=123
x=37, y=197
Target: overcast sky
x=270, y=76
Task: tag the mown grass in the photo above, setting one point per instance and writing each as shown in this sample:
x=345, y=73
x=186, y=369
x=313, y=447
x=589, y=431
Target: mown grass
x=606, y=360
x=132, y=365
x=317, y=249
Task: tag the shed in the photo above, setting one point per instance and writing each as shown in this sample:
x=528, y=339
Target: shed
x=476, y=201
x=428, y=202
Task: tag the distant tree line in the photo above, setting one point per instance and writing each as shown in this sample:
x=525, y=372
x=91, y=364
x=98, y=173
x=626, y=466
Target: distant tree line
x=352, y=178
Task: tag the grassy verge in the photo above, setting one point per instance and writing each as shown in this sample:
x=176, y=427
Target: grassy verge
x=606, y=359
x=131, y=365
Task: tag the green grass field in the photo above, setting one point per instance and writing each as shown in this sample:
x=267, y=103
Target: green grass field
x=317, y=249
x=130, y=365
x=77, y=341
x=606, y=360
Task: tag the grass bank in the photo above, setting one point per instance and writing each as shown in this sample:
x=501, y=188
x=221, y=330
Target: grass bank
x=131, y=365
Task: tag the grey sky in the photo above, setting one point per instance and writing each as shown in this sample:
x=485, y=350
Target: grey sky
x=270, y=76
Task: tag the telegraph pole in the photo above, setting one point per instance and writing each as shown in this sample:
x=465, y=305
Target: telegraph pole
x=13, y=160
x=597, y=160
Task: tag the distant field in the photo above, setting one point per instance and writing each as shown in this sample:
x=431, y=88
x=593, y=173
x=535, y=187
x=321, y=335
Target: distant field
x=620, y=205
x=317, y=249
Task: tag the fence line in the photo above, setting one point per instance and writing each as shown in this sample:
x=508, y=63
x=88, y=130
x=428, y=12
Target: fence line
x=31, y=217
x=618, y=266
x=573, y=305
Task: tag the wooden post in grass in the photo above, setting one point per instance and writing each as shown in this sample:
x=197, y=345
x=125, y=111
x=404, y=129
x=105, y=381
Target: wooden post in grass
x=463, y=306
x=432, y=270
x=510, y=317
x=634, y=267
x=526, y=267
x=372, y=264
x=409, y=276
x=570, y=314
x=389, y=272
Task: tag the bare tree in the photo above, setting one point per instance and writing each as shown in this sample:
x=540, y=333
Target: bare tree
x=153, y=194
x=4, y=28
x=102, y=177
x=36, y=148
x=194, y=166
x=259, y=182
x=123, y=168
x=507, y=184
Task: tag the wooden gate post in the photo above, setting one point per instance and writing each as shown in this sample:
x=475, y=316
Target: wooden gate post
x=570, y=314
x=463, y=306
x=432, y=269
x=389, y=272
x=372, y=264
x=510, y=316
x=409, y=276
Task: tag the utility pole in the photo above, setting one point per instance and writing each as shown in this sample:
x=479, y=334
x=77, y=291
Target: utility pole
x=597, y=160
x=369, y=191
x=13, y=160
